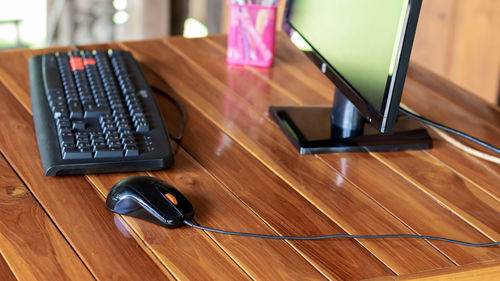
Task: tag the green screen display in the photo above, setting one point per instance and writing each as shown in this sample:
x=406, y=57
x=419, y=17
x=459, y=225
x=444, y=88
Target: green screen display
x=359, y=38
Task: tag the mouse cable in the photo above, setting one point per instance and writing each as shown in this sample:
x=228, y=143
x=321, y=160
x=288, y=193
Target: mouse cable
x=181, y=109
x=384, y=236
x=450, y=130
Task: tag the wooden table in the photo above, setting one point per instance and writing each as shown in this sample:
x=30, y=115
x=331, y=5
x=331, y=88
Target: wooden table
x=242, y=174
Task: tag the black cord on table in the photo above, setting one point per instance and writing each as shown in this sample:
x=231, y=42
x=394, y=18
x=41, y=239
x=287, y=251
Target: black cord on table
x=181, y=109
x=333, y=236
x=450, y=130
x=386, y=236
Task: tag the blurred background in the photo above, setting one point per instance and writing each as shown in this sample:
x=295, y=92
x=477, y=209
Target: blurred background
x=457, y=39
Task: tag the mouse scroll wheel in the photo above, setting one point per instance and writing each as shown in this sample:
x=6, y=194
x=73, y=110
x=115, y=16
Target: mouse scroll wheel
x=171, y=198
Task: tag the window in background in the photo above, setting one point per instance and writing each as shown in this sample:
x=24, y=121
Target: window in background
x=121, y=15
x=194, y=28
x=22, y=23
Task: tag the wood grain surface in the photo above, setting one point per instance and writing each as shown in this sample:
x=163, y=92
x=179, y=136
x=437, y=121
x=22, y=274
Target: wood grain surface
x=71, y=202
x=241, y=174
x=259, y=136
x=470, y=272
x=5, y=271
x=278, y=206
x=29, y=241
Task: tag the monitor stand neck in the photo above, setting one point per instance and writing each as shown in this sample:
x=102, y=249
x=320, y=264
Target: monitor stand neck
x=346, y=120
x=320, y=129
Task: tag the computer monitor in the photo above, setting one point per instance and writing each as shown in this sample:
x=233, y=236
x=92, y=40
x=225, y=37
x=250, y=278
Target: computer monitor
x=363, y=47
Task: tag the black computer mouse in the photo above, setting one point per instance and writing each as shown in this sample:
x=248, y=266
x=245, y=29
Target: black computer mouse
x=150, y=199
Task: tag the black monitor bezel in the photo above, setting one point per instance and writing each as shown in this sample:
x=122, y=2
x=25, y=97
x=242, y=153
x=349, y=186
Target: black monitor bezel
x=385, y=120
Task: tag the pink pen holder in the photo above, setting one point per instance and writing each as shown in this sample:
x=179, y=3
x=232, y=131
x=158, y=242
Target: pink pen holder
x=252, y=30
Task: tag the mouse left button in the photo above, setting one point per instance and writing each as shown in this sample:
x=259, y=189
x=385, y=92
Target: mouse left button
x=120, y=201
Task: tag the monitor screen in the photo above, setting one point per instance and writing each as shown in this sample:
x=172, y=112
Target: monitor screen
x=361, y=41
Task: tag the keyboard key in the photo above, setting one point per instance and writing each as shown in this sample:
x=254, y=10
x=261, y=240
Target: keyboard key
x=60, y=112
x=127, y=136
x=78, y=125
x=114, y=143
x=142, y=127
x=128, y=142
x=99, y=146
x=66, y=138
x=98, y=141
x=108, y=153
x=65, y=146
x=50, y=73
x=76, y=154
x=75, y=109
x=131, y=151
x=63, y=129
x=82, y=134
x=91, y=111
x=85, y=147
x=63, y=122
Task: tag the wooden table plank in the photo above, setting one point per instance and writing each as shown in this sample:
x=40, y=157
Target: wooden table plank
x=301, y=269
x=29, y=241
x=430, y=87
x=233, y=151
x=279, y=205
x=185, y=49
x=453, y=225
x=470, y=272
x=484, y=174
x=206, y=49
x=480, y=171
x=202, y=189
x=253, y=266
x=215, y=264
x=185, y=253
x=285, y=52
x=5, y=271
x=272, y=149
x=93, y=235
x=463, y=198
x=240, y=77
x=411, y=206
x=219, y=208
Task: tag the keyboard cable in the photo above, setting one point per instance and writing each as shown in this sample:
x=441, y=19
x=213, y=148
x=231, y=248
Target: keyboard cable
x=181, y=109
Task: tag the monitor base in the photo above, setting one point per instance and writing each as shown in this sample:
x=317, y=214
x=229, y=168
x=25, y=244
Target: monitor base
x=310, y=130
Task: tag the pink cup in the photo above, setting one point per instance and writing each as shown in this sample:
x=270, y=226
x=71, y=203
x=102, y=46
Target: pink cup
x=252, y=30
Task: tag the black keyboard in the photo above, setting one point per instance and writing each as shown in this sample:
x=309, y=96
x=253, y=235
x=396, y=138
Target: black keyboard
x=94, y=112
